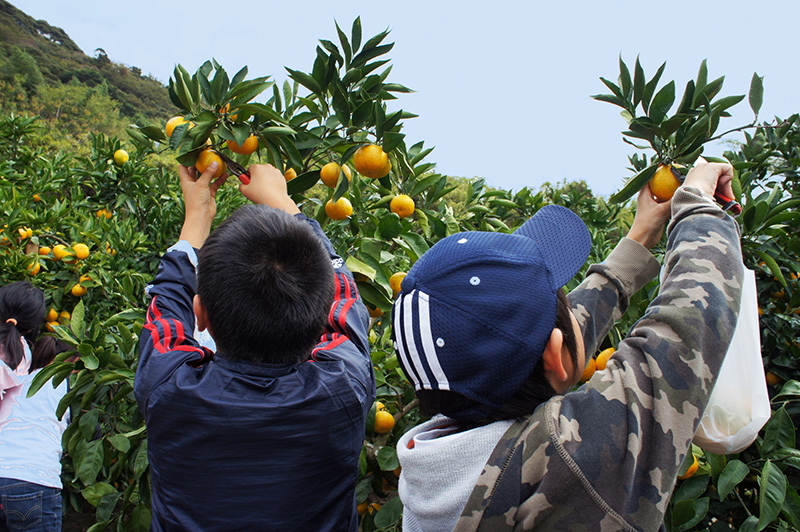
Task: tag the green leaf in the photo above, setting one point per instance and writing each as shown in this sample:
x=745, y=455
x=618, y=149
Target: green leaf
x=634, y=184
x=303, y=182
x=363, y=489
x=790, y=389
x=348, y=53
x=756, y=95
x=120, y=442
x=734, y=472
x=387, y=458
x=95, y=492
x=389, y=513
x=773, y=492
x=750, y=524
x=416, y=245
x=624, y=79
x=772, y=265
x=688, y=513
x=650, y=88
x=355, y=34
x=357, y=266
x=778, y=433
x=638, y=83
x=662, y=102
x=77, y=322
x=105, y=508
x=305, y=80
x=88, y=424
x=90, y=361
x=141, y=463
x=390, y=226
x=89, y=462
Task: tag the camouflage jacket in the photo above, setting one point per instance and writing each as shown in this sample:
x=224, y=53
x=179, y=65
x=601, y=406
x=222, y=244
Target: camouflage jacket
x=606, y=456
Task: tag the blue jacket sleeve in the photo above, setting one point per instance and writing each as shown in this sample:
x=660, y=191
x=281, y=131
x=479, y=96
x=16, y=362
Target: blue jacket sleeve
x=166, y=341
x=348, y=322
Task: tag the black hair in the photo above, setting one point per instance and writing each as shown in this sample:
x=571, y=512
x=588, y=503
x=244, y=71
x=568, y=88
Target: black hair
x=533, y=392
x=267, y=284
x=45, y=351
x=22, y=303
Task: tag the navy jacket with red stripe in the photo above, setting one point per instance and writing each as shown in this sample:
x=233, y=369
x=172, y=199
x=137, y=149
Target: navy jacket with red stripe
x=238, y=446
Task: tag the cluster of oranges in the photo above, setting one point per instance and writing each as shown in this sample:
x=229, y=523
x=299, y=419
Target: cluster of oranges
x=597, y=364
x=55, y=318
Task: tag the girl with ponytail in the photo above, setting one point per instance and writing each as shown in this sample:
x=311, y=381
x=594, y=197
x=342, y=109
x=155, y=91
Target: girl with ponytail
x=22, y=311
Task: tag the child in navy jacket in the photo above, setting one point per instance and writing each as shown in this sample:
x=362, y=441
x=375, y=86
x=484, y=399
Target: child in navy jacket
x=264, y=434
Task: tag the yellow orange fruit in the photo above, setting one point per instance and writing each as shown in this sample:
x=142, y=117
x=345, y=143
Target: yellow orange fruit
x=362, y=508
x=85, y=277
x=52, y=315
x=663, y=184
x=34, y=268
x=172, y=123
x=290, y=174
x=371, y=161
x=51, y=325
x=402, y=205
x=81, y=251
x=773, y=379
x=330, y=174
x=120, y=157
x=375, y=312
x=25, y=232
x=691, y=471
x=78, y=290
x=37, y=198
x=64, y=315
x=384, y=422
x=340, y=210
x=602, y=358
x=250, y=145
x=207, y=157
x=591, y=367
x=396, y=281
x=60, y=252
x=44, y=250
x=379, y=406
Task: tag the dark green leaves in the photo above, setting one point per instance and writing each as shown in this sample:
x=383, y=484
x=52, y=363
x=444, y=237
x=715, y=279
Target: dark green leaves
x=756, y=95
x=662, y=102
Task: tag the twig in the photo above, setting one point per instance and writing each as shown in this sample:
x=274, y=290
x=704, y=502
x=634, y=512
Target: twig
x=748, y=126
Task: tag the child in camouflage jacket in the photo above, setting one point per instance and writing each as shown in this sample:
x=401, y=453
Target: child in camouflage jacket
x=480, y=330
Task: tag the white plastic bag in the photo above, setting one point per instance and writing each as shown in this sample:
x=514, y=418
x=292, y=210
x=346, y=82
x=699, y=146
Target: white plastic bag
x=739, y=405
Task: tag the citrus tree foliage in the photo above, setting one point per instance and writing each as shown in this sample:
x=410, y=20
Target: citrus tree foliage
x=129, y=213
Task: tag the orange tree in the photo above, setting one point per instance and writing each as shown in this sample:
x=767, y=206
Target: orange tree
x=758, y=488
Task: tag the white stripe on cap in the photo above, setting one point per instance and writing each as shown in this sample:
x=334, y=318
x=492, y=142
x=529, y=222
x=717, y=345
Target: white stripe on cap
x=400, y=343
x=428, y=346
x=408, y=333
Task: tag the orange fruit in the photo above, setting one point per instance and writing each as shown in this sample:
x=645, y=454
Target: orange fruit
x=375, y=312
x=51, y=325
x=691, y=471
x=81, y=251
x=371, y=161
x=663, y=184
x=64, y=315
x=36, y=198
x=120, y=157
x=25, y=232
x=34, y=268
x=78, y=290
x=402, y=206
x=207, y=157
x=290, y=174
x=60, y=251
x=379, y=406
x=773, y=379
x=396, y=281
x=52, y=315
x=226, y=108
x=591, y=367
x=374, y=507
x=602, y=358
x=172, y=123
x=330, y=174
x=85, y=277
x=250, y=145
x=384, y=422
x=44, y=250
x=362, y=508
x=340, y=210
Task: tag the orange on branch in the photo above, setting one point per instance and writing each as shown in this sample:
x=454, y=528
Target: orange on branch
x=691, y=471
x=340, y=210
x=172, y=123
x=402, y=205
x=290, y=174
x=207, y=157
x=384, y=422
x=78, y=290
x=250, y=145
x=591, y=367
x=602, y=358
x=81, y=251
x=330, y=174
x=371, y=161
x=663, y=184
x=396, y=281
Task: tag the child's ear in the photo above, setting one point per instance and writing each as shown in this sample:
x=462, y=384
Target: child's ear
x=201, y=313
x=553, y=361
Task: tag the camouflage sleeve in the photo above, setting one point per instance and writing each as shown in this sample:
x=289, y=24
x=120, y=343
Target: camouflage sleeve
x=606, y=456
x=602, y=298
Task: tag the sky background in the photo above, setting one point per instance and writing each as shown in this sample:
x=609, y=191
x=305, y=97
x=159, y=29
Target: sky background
x=502, y=88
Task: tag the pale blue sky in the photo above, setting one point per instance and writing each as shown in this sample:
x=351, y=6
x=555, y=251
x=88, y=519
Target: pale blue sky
x=502, y=88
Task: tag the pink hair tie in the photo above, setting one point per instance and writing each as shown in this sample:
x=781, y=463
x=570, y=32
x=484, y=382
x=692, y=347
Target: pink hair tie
x=12, y=320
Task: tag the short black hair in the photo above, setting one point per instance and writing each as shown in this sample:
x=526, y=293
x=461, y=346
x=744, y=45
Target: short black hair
x=267, y=284
x=45, y=351
x=533, y=392
x=23, y=303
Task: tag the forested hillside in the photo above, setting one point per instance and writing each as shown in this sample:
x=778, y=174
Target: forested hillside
x=43, y=72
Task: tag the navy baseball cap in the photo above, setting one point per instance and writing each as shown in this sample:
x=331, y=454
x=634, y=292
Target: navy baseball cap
x=477, y=309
